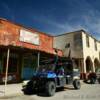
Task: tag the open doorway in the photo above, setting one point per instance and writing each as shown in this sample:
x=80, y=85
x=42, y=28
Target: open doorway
x=89, y=64
x=96, y=64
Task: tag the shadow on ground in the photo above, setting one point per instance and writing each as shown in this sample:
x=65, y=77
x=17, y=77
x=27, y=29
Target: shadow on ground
x=42, y=92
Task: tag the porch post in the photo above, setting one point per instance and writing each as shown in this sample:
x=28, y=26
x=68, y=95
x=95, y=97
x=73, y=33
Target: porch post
x=6, y=75
x=38, y=63
x=82, y=68
x=93, y=67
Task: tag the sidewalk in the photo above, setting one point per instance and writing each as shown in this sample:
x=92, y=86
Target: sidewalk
x=14, y=90
x=11, y=89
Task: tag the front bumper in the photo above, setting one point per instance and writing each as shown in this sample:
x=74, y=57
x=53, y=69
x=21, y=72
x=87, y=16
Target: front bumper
x=35, y=83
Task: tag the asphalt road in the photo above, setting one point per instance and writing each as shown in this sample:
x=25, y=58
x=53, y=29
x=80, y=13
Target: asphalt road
x=87, y=92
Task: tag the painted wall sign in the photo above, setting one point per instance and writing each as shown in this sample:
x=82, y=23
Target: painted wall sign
x=29, y=37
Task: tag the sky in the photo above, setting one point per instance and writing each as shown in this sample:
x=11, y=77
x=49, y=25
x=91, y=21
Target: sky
x=54, y=16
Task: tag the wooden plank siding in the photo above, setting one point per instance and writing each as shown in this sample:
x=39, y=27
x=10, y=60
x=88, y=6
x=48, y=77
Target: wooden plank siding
x=10, y=34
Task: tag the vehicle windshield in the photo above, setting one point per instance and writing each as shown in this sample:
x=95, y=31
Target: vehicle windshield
x=49, y=65
x=46, y=66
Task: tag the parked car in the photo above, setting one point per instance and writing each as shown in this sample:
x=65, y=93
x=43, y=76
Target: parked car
x=51, y=76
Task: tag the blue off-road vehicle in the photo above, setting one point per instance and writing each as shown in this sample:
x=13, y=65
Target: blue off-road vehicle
x=51, y=75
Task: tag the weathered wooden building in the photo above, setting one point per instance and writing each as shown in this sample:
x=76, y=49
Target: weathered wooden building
x=23, y=47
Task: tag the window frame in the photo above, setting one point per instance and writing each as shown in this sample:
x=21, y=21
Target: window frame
x=95, y=44
x=87, y=41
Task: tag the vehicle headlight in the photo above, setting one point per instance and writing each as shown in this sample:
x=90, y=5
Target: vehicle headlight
x=24, y=83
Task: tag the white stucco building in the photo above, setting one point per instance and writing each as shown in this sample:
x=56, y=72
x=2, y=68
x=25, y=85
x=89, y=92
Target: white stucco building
x=85, y=49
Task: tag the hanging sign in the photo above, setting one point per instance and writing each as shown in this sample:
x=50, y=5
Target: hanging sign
x=29, y=37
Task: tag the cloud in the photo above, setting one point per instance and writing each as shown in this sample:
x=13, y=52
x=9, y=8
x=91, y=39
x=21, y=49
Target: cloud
x=92, y=22
x=81, y=14
x=89, y=21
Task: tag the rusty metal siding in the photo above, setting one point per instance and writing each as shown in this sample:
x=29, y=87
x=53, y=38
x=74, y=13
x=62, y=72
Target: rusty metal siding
x=10, y=34
x=46, y=43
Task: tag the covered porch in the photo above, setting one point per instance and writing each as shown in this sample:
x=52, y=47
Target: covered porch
x=22, y=63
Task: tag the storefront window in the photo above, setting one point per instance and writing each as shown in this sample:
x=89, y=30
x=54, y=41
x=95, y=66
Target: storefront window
x=13, y=64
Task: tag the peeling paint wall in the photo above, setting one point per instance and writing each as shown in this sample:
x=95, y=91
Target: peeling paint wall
x=10, y=34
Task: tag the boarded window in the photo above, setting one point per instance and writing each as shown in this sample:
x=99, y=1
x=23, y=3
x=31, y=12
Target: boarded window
x=78, y=41
x=67, y=45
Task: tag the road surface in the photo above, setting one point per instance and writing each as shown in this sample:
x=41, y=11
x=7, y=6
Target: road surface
x=87, y=92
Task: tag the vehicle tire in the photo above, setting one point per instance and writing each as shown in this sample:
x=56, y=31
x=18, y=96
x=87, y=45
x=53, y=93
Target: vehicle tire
x=76, y=84
x=99, y=80
x=50, y=88
x=29, y=88
x=92, y=80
